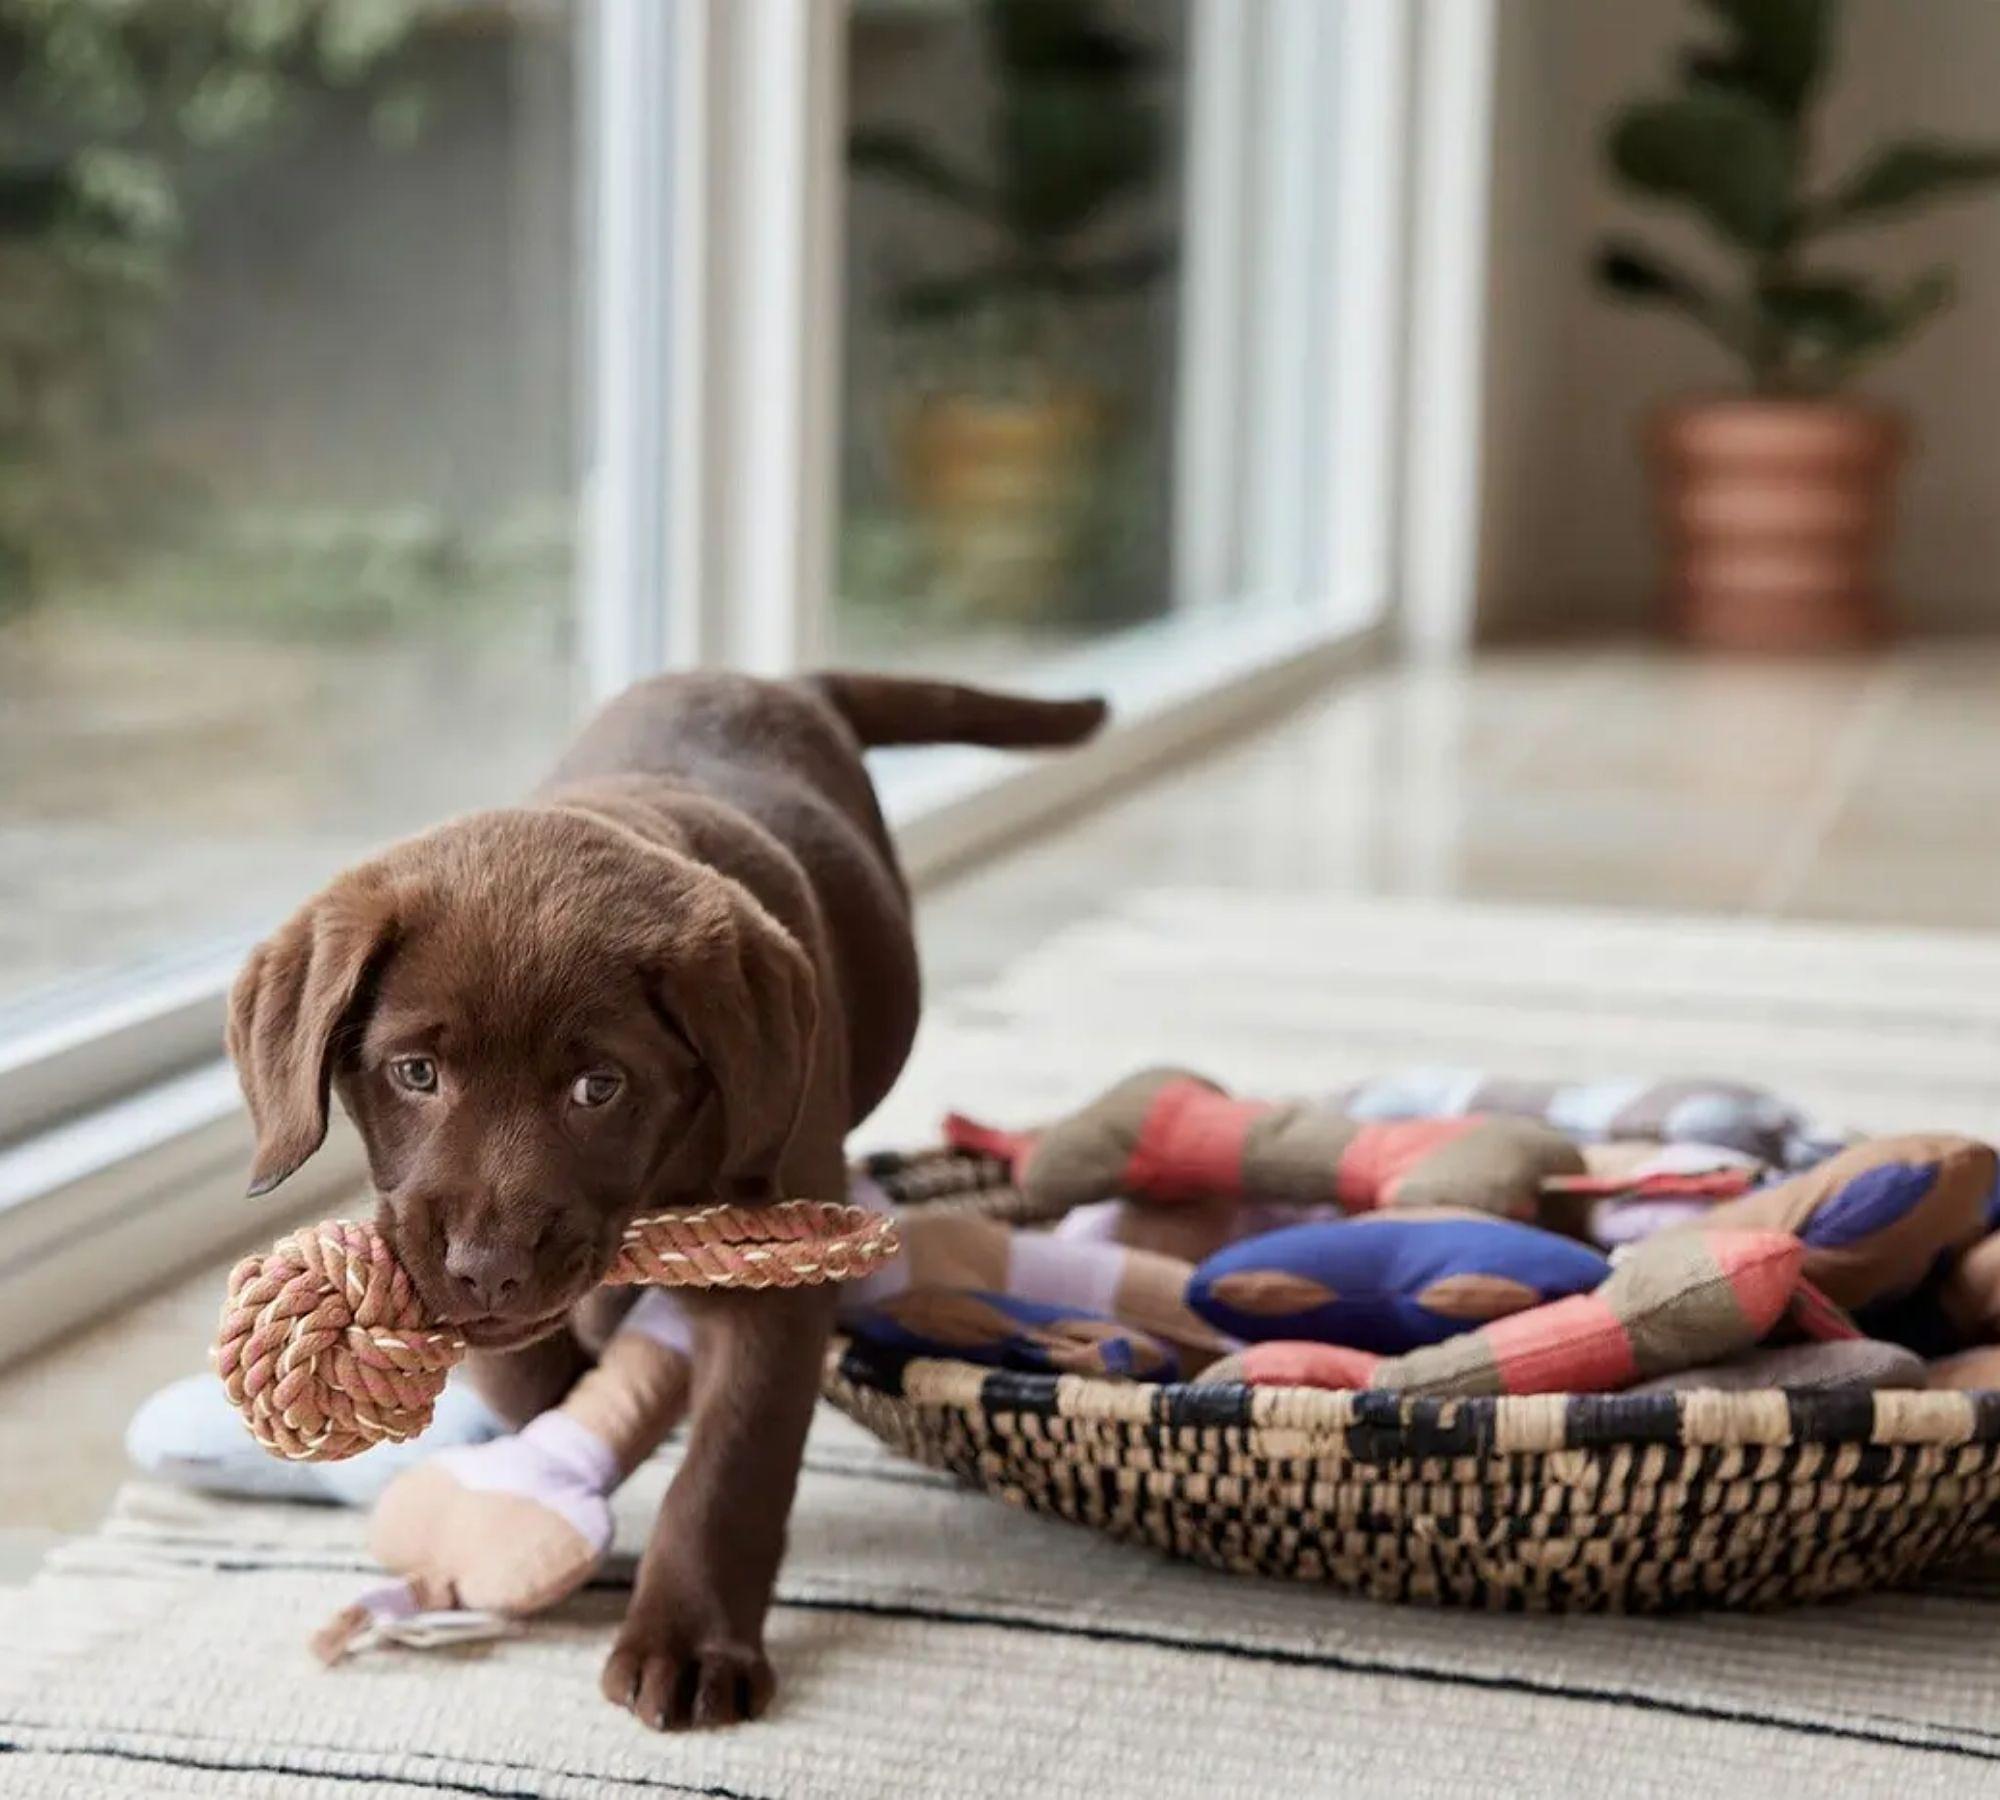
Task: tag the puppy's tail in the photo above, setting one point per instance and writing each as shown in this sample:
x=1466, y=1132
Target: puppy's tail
x=887, y=709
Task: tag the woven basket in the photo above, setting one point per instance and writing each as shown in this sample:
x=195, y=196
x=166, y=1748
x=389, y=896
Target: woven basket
x=1556, y=1502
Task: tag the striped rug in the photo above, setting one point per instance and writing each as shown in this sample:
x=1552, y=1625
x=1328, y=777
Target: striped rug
x=934, y=1642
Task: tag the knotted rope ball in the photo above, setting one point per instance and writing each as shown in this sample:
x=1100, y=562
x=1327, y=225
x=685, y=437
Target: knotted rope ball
x=326, y=1350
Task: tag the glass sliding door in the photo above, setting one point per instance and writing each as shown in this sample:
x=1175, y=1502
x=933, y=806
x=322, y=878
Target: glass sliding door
x=1123, y=281
x=1012, y=262
x=287, y=489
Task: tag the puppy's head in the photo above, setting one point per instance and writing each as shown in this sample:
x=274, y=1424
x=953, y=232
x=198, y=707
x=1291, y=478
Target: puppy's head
x=539, y=1023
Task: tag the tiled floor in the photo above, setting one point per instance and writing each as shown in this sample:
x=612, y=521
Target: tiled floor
x=1855, y=791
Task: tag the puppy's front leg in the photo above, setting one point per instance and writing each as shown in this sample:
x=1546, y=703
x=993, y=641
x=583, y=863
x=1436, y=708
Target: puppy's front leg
x=691, y=1650
x=523, y=1384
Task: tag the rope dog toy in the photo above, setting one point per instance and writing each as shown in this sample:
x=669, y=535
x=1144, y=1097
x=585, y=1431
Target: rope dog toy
x=325, y=1349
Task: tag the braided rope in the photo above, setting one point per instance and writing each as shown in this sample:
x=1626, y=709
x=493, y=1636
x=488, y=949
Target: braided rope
x=325, y=1348
x=795, y=1243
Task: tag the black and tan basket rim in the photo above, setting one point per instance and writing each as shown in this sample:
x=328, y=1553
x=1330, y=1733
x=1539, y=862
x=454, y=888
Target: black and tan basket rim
x=1372, y=1426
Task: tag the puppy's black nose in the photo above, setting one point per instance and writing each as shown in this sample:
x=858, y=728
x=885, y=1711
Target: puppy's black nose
x=488, y=1275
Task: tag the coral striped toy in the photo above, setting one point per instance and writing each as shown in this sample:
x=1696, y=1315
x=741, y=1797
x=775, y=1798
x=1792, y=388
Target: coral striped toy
x=1682, y=1301
x=325, y=1348
x=1166, y=1136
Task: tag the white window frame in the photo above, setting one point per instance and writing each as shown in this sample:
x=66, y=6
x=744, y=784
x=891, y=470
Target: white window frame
x=1316, y=488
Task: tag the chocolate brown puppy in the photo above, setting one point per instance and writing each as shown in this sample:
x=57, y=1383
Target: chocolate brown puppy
x=681, y=971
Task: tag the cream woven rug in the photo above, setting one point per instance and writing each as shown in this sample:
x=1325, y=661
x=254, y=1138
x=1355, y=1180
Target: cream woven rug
x=934, y=1642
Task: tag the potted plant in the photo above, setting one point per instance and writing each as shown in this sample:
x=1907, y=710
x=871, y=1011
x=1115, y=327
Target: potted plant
x=1001, y=446
x=1776, y=501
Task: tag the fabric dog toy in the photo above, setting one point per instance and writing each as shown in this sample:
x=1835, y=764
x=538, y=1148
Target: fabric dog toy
x=324, y=1347
x=189, y=1435
x=1969, y=1370
x=1875, y=1219
x=515, y=1526
x=970, y=1285
x=1388, y=1282
x=1170, y=1138
x=1969, y=1293
x=1005, y=1331
x=1674, y=1303
x=1844, y=1366
x=1732, y=1114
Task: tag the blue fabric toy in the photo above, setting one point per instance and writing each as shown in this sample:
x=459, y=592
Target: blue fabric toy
x=1388, y=1283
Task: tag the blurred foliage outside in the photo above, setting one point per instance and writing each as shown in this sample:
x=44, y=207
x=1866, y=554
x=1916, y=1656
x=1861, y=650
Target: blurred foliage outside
x=1019, y=482
x=116, y=118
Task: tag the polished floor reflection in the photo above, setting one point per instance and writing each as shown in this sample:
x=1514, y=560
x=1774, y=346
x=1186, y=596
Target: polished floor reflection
x=1861, y=791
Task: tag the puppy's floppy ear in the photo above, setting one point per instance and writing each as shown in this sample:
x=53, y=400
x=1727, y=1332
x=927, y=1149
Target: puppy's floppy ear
x=743, y=990
x=285, y=1009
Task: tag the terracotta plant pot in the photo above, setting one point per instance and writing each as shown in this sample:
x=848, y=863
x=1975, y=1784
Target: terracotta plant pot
x=1775, y=514
x=1001, y=485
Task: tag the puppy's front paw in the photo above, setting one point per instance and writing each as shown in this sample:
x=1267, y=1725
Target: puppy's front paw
x=670, y=1678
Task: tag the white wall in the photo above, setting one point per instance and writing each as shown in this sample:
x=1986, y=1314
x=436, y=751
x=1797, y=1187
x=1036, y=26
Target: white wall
x=1566, y=541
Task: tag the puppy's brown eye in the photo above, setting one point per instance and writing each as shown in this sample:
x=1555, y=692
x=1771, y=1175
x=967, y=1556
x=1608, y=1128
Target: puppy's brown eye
x=598, y=1087
x=419, y=1074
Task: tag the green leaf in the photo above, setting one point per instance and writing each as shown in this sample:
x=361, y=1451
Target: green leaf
x=32, y=200
x=1831, y=313
x=1640, y=276
x=1705, y=67
x=266, y=28
x=1066, y=154
x=1128, y=272
x=355, y=35
x=1933, y=292
x=1910, y=174
x=897, y=157
x=1779, y=49
x=131, y=190
x=1634, y=274
x=937, y=299
x=85, y=69
x=1032, y=38
x=1839, y=320
x=1721, y=153
x=231, y=101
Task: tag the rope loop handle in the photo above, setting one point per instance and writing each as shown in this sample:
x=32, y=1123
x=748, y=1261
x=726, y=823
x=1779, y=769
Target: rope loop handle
x=325, y=1348
x=793, y=1243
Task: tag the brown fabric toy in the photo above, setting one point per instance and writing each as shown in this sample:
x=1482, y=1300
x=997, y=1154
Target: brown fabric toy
x=1857, y=1365
x=1875, y=1218
x=1969, y=1294
x=1968, y=1370
x=1169, y=1138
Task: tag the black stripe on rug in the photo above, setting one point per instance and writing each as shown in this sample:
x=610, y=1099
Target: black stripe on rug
x=1889, y=1732
x=211, y=1763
